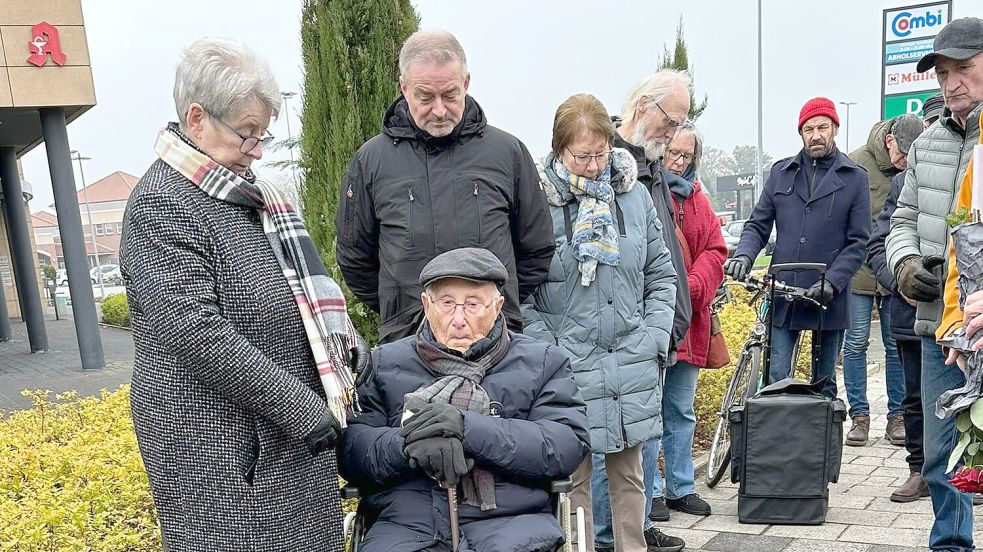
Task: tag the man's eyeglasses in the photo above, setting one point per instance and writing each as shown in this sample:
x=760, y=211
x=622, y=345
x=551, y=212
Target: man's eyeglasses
x=447, y=305
x=582, y=159
x=674, y=154
x=669, y=121
x=248, y=142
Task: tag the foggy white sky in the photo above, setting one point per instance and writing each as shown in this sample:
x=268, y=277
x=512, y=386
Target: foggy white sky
x=524, y=57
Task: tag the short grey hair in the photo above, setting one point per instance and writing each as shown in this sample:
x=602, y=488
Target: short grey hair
x=434, y=46
x=223, y=76
x=654, y=88
x=690, y=128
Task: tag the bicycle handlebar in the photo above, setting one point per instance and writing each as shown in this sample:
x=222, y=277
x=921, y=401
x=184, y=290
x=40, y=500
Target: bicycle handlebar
x=791, y=293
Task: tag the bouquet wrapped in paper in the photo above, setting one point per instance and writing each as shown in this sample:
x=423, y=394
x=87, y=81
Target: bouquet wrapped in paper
x=965, y=402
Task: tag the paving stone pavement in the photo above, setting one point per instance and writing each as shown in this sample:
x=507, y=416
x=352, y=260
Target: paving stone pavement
x=861, y=518
x=60, y=368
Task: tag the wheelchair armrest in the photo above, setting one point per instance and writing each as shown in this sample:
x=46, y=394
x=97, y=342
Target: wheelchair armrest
x=349, y=492
x=564, y=485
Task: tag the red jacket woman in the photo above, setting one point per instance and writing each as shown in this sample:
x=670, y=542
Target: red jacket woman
x=704, y=267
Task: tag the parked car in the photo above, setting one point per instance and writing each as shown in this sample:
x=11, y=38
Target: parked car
x=735, y=227
x=113, y=278
x=61, y=277
x=102, y=269
x=730, y=240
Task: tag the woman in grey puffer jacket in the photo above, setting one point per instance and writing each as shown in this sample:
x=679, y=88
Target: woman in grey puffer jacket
x=608, y=302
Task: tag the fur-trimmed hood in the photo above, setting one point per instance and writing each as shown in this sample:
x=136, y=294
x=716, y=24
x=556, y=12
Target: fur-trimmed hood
x=624, y=176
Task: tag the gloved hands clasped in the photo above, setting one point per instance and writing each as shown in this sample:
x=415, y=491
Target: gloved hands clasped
x=917, y=279
x=738, y=267
x=822, y=292
x=433, y=442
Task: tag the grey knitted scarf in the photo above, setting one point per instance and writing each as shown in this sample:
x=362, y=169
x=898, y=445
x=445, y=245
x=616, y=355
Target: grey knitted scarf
x=458, y=382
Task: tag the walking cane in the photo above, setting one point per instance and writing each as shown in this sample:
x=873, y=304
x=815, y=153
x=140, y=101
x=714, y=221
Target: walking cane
x=455, y=527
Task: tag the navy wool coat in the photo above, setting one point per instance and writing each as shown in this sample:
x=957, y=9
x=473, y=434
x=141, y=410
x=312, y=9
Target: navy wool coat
x=829, y=226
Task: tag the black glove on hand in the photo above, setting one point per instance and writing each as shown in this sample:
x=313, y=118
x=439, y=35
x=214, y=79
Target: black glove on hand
x=738, y=267
x=821, y=291
x=442, y=458
x=917, y=279
x=434, y=420
x=324, y=435
x=361, y=360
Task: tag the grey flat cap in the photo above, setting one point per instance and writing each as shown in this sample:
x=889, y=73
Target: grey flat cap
x=933, y=106
x=905, y=128
x=960, y=39
x=467, y=263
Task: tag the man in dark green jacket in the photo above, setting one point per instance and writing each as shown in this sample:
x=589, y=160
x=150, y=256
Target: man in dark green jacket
x=884, y=155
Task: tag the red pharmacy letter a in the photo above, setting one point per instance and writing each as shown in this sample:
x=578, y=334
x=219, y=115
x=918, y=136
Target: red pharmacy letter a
x=44, y=41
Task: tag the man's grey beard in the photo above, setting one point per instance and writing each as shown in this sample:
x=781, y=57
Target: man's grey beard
x=653, y=148
x=823, y=153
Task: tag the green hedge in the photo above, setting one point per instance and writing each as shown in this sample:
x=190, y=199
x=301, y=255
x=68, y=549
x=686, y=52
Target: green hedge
x=115, y=310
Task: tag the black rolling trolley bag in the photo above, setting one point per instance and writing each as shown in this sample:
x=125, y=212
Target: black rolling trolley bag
x=786, y=445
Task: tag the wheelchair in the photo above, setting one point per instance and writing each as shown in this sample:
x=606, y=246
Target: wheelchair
x=355, y=526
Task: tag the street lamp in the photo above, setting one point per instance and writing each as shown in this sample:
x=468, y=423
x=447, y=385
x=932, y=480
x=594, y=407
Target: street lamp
x=848, y=104
x=290, y=136
x=92, y=231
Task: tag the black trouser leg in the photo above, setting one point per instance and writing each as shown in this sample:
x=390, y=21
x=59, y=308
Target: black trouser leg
x=910, y=352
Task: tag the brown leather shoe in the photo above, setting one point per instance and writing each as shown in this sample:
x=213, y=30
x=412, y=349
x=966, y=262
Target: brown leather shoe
x=912, y=489
x=857, y=437
x=895, y=430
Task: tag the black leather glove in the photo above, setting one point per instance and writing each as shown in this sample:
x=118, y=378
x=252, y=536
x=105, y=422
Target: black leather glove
x=917, y=279
x=324, y=435
x=738, y=267
x=442, y=458
x=361, y=357
x=821, y=292
x=434, y=420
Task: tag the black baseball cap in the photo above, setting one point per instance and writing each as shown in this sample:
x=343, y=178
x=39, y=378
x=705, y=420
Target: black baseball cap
x=960, y=39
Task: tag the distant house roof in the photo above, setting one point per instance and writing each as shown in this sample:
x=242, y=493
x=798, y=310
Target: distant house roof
x=114, y=187
x=44, y=219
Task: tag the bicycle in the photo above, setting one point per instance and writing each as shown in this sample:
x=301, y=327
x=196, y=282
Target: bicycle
x=752, y=368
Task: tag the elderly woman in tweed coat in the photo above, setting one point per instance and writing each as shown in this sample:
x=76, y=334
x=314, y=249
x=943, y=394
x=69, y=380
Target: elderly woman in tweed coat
x=242, y=378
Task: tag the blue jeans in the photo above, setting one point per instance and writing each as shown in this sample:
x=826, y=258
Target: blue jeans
x=953, y=527
x=782, y=343
x=855, y=356
x=679, y=424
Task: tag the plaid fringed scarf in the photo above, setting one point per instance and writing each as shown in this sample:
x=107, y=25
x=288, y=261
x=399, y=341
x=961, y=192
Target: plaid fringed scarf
x=321, y=303
x=595, y=239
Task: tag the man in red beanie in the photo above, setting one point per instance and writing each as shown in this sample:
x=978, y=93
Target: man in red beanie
x=819, y=203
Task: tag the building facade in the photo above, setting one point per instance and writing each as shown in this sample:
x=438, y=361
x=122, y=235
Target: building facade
x=45, y=83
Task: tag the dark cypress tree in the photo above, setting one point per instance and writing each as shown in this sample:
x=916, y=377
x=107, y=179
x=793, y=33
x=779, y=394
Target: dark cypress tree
x=679, y=59
x=351, y=75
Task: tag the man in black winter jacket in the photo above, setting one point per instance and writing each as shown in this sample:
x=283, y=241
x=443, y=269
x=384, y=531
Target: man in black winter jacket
x=438, y=177
x=653, y=109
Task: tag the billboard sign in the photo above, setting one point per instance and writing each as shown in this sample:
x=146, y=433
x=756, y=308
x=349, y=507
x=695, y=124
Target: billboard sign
x=907, y=34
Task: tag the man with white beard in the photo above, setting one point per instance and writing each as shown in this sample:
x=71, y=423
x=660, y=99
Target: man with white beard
x=652, y=111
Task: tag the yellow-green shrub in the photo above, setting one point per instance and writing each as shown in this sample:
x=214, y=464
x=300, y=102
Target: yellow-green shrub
x=736, y=320
x=71, y=477
x=115, y=310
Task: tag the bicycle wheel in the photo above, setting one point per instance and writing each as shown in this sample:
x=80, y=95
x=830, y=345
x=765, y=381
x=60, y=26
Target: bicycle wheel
x=743, y=383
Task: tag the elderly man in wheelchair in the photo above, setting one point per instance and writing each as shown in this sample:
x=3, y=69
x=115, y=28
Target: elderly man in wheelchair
x=464, y=425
